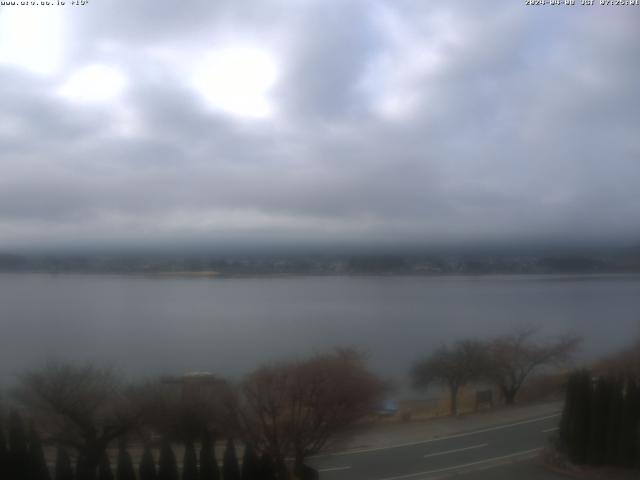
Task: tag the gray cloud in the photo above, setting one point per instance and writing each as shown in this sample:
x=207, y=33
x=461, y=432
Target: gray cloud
x=333, y=47
x=394, y=121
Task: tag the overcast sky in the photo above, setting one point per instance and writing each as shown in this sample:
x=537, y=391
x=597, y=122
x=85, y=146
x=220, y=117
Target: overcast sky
x=318, y=121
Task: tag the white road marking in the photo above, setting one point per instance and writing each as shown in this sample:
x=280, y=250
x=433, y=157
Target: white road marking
x=423, y=442
x=464, y=465
x=456, y=450
x=550, y=430
x=333, y=469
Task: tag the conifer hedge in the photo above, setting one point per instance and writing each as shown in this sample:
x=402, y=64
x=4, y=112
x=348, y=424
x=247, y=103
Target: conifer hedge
x=600, y=422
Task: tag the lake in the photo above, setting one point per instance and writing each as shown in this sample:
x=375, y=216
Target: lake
x=227, y=326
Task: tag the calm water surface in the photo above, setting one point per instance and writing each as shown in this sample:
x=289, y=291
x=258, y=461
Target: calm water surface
x=152, y=325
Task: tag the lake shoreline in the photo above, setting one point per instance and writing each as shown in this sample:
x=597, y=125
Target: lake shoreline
x=257, y=275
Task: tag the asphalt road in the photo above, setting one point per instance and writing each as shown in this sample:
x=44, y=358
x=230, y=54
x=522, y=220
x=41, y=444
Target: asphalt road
x=500, y=448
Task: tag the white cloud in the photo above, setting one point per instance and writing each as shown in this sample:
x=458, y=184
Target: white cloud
x=413, y=51
x=32, y=38
x=94, y=83
x=237, y=80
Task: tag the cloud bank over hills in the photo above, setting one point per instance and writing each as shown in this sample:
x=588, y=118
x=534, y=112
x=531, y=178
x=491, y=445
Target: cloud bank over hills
x=324, y=122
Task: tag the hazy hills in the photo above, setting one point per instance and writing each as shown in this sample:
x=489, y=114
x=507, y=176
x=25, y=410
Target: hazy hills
x=378, y=263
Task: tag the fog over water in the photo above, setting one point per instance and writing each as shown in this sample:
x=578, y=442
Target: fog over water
x=148, y=326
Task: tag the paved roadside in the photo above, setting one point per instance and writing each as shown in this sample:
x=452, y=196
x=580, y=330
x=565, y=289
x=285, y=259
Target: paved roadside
x=495, y=444
x=386, y=435
x=524, y=470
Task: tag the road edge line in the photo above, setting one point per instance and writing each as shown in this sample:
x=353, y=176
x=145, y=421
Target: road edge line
x=438, y=439
x=522, y=453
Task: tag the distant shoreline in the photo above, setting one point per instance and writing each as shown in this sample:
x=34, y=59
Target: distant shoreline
x=258, y=275
x=408, y=265
x=197, y=274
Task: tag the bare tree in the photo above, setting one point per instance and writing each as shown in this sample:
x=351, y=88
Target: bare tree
x=180, y=408
x=83, y=407
x=452, y=366
x=512, y=358
x=295, y=408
